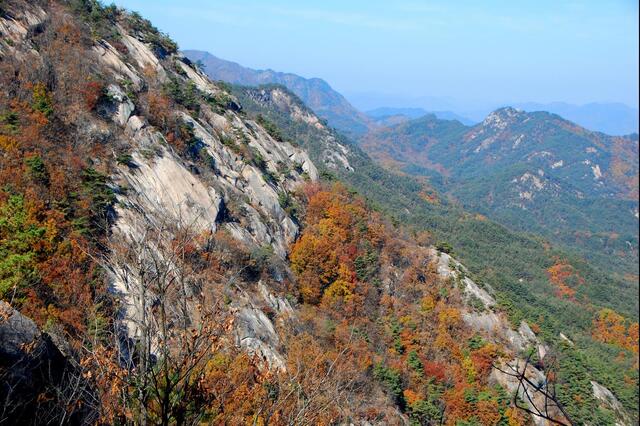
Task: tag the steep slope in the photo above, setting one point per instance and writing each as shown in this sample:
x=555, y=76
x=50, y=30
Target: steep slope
x=121, y=167
x=145, y=223
x=557, y=291
x=172, y=242
x=532, y=171
x=149, y=228
x=314, y=92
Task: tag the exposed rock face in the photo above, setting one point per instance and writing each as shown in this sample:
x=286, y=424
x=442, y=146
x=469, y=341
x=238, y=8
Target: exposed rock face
x=161, y=186
x=513, y=385
x=481, y=315
x=608, y=399
x=256, y=334
x=216, y=187
x=31, y=366
x=15, y=28
x=333, y=154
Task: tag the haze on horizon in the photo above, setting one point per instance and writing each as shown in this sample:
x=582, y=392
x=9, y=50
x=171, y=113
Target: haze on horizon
x=473, y=55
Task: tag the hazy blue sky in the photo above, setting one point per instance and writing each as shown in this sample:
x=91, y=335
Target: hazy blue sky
x=575, y=51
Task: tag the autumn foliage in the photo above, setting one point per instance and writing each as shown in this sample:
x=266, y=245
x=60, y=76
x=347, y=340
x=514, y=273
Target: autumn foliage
x=45, y=217
x=565, y=279
x=362, y=276
x=611, y=327
x=377, y=334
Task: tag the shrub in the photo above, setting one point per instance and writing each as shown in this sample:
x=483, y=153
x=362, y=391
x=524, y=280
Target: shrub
x=42, y=100
x=186, y=95
x=414, y=362
x=10, y=121
x=161, y=42
x=19, y=237
x=271, y=128
x=327, y=176
x=92, y=93
x=444, y=247
x=258, y=160
x=125, y=159
x=36, y=168
x=160, y=110
x=391, y=380
x=230, y=143
x=261, y=257
x=289, y=204
x=96, y=186
x=366, y=265
x=425, y=412
x=476, y=342
x=476, y=303
x=219, y=102
x=99, y=18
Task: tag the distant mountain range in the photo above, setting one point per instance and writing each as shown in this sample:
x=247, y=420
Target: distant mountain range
x=367, y=101
x=609, y=118
x=391, y=115
x=316, y=93
x=535, y=172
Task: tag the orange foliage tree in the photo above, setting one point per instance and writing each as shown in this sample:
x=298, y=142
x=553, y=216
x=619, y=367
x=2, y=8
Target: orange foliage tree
x=565, y=278
x=611, y=327
x=410, y=328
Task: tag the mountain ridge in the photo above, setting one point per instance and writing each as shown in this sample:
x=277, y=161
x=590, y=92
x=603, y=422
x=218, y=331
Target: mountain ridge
x=607, y=117
x=518, y=163
x=199, y=252
x=387, y=116
x=315, y=92
x=613, y=118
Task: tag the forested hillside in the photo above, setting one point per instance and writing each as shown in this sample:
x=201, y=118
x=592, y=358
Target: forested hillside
x=177, y=251
x=533, y=172
x=556, y=290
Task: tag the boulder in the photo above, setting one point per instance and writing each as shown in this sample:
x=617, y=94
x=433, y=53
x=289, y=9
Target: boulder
x=34, y=375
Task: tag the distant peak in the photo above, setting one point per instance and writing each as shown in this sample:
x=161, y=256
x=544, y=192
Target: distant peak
x=501, y=117
x=508, y=111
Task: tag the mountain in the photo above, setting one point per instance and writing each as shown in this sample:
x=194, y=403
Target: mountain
x=175, y=250
x=536, y=281
x=367, y=101
x=450, y=115
x=315, y=92
x=410, y=113
x=387, y=116
x=534, y=172
x=609, y=118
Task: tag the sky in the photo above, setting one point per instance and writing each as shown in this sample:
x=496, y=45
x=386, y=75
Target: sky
x=463, y=52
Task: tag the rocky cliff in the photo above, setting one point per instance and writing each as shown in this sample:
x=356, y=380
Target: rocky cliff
x=187, y=265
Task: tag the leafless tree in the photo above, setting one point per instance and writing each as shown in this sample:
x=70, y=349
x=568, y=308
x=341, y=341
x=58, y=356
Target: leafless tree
x=168, y=326
x=538, y=399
